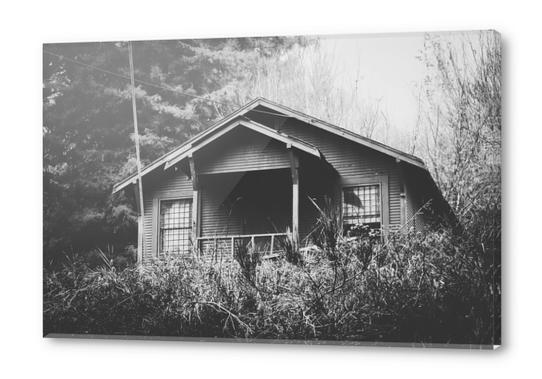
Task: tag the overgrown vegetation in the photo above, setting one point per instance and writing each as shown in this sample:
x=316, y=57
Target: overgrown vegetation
x=413, y=287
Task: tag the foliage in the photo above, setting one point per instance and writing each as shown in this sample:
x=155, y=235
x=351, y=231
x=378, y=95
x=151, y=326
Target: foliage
x=462, y=136
x=248, y=259
x=306, y=78
x=290, y=246
x=462, y=133
x=328, y=228
x=412, y=288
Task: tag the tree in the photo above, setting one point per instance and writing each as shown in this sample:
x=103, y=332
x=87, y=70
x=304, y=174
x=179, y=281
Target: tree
x=304, y=78
x=463, y=116
x=462, y=130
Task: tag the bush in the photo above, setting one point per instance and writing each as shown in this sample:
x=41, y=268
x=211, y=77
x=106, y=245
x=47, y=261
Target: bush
x=412, y=288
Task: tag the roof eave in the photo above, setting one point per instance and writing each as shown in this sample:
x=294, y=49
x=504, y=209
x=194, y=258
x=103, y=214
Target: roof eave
x=339, y=131
x=259, y=128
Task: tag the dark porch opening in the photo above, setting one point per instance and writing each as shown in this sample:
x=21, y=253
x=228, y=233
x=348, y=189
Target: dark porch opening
x=245, y=208
x=263, y=201
x=246, y=203
x=250, y=207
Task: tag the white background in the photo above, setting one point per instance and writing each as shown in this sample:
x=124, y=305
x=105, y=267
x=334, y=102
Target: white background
x=25, y=27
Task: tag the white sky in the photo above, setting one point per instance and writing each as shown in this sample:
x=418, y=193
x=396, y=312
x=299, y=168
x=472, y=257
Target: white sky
x=387, y=67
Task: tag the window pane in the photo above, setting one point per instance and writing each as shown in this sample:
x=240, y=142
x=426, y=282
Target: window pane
x=176, y=213
x=175, y=241
x=361, y=205
x=175, y=226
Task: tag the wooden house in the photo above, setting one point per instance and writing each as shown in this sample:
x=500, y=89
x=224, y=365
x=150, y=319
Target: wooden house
x=250, y=178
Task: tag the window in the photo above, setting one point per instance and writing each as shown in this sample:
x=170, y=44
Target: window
x=361, y=209
x=175, y=226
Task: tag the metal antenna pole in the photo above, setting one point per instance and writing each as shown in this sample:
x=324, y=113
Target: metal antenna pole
x=138, y=157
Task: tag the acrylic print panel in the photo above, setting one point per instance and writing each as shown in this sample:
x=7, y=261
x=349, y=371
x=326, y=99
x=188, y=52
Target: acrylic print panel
x=312, y=189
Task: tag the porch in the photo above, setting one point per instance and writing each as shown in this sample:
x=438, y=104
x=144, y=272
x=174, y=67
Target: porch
x=246, y=210
x=263, y=210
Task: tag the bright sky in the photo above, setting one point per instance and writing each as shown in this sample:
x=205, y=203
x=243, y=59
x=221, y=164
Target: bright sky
x=388, y=69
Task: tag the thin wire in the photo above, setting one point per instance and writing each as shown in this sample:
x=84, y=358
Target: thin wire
x=168, y=88
x=127, y=78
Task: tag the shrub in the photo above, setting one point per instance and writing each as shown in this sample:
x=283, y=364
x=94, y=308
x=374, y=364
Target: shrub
x=411, y=288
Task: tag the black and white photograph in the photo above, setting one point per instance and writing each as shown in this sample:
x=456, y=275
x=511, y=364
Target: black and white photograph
x=315, y=189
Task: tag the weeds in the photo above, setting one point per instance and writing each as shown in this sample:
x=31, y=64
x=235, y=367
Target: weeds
x=290, y=248
x=415, y=288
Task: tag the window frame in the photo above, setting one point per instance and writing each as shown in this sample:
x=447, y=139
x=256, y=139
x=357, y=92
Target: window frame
x=365, y=184
x=362, y=180
x=158, y=229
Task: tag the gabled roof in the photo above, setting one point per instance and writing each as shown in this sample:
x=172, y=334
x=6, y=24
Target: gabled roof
x=267, y=131
x=198, y=141
x=190, y=147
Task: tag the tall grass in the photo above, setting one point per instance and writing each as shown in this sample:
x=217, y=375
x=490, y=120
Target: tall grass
x=412, y=288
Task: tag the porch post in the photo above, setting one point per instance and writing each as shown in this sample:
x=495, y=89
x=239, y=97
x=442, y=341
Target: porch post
x=294, y=168
x=195, y=204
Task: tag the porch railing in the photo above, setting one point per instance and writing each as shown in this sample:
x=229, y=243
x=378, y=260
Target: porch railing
x=268, y=244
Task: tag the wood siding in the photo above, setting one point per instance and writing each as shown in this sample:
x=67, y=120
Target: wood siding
x=242, y=150
x=218, y=209
x=165, y=185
